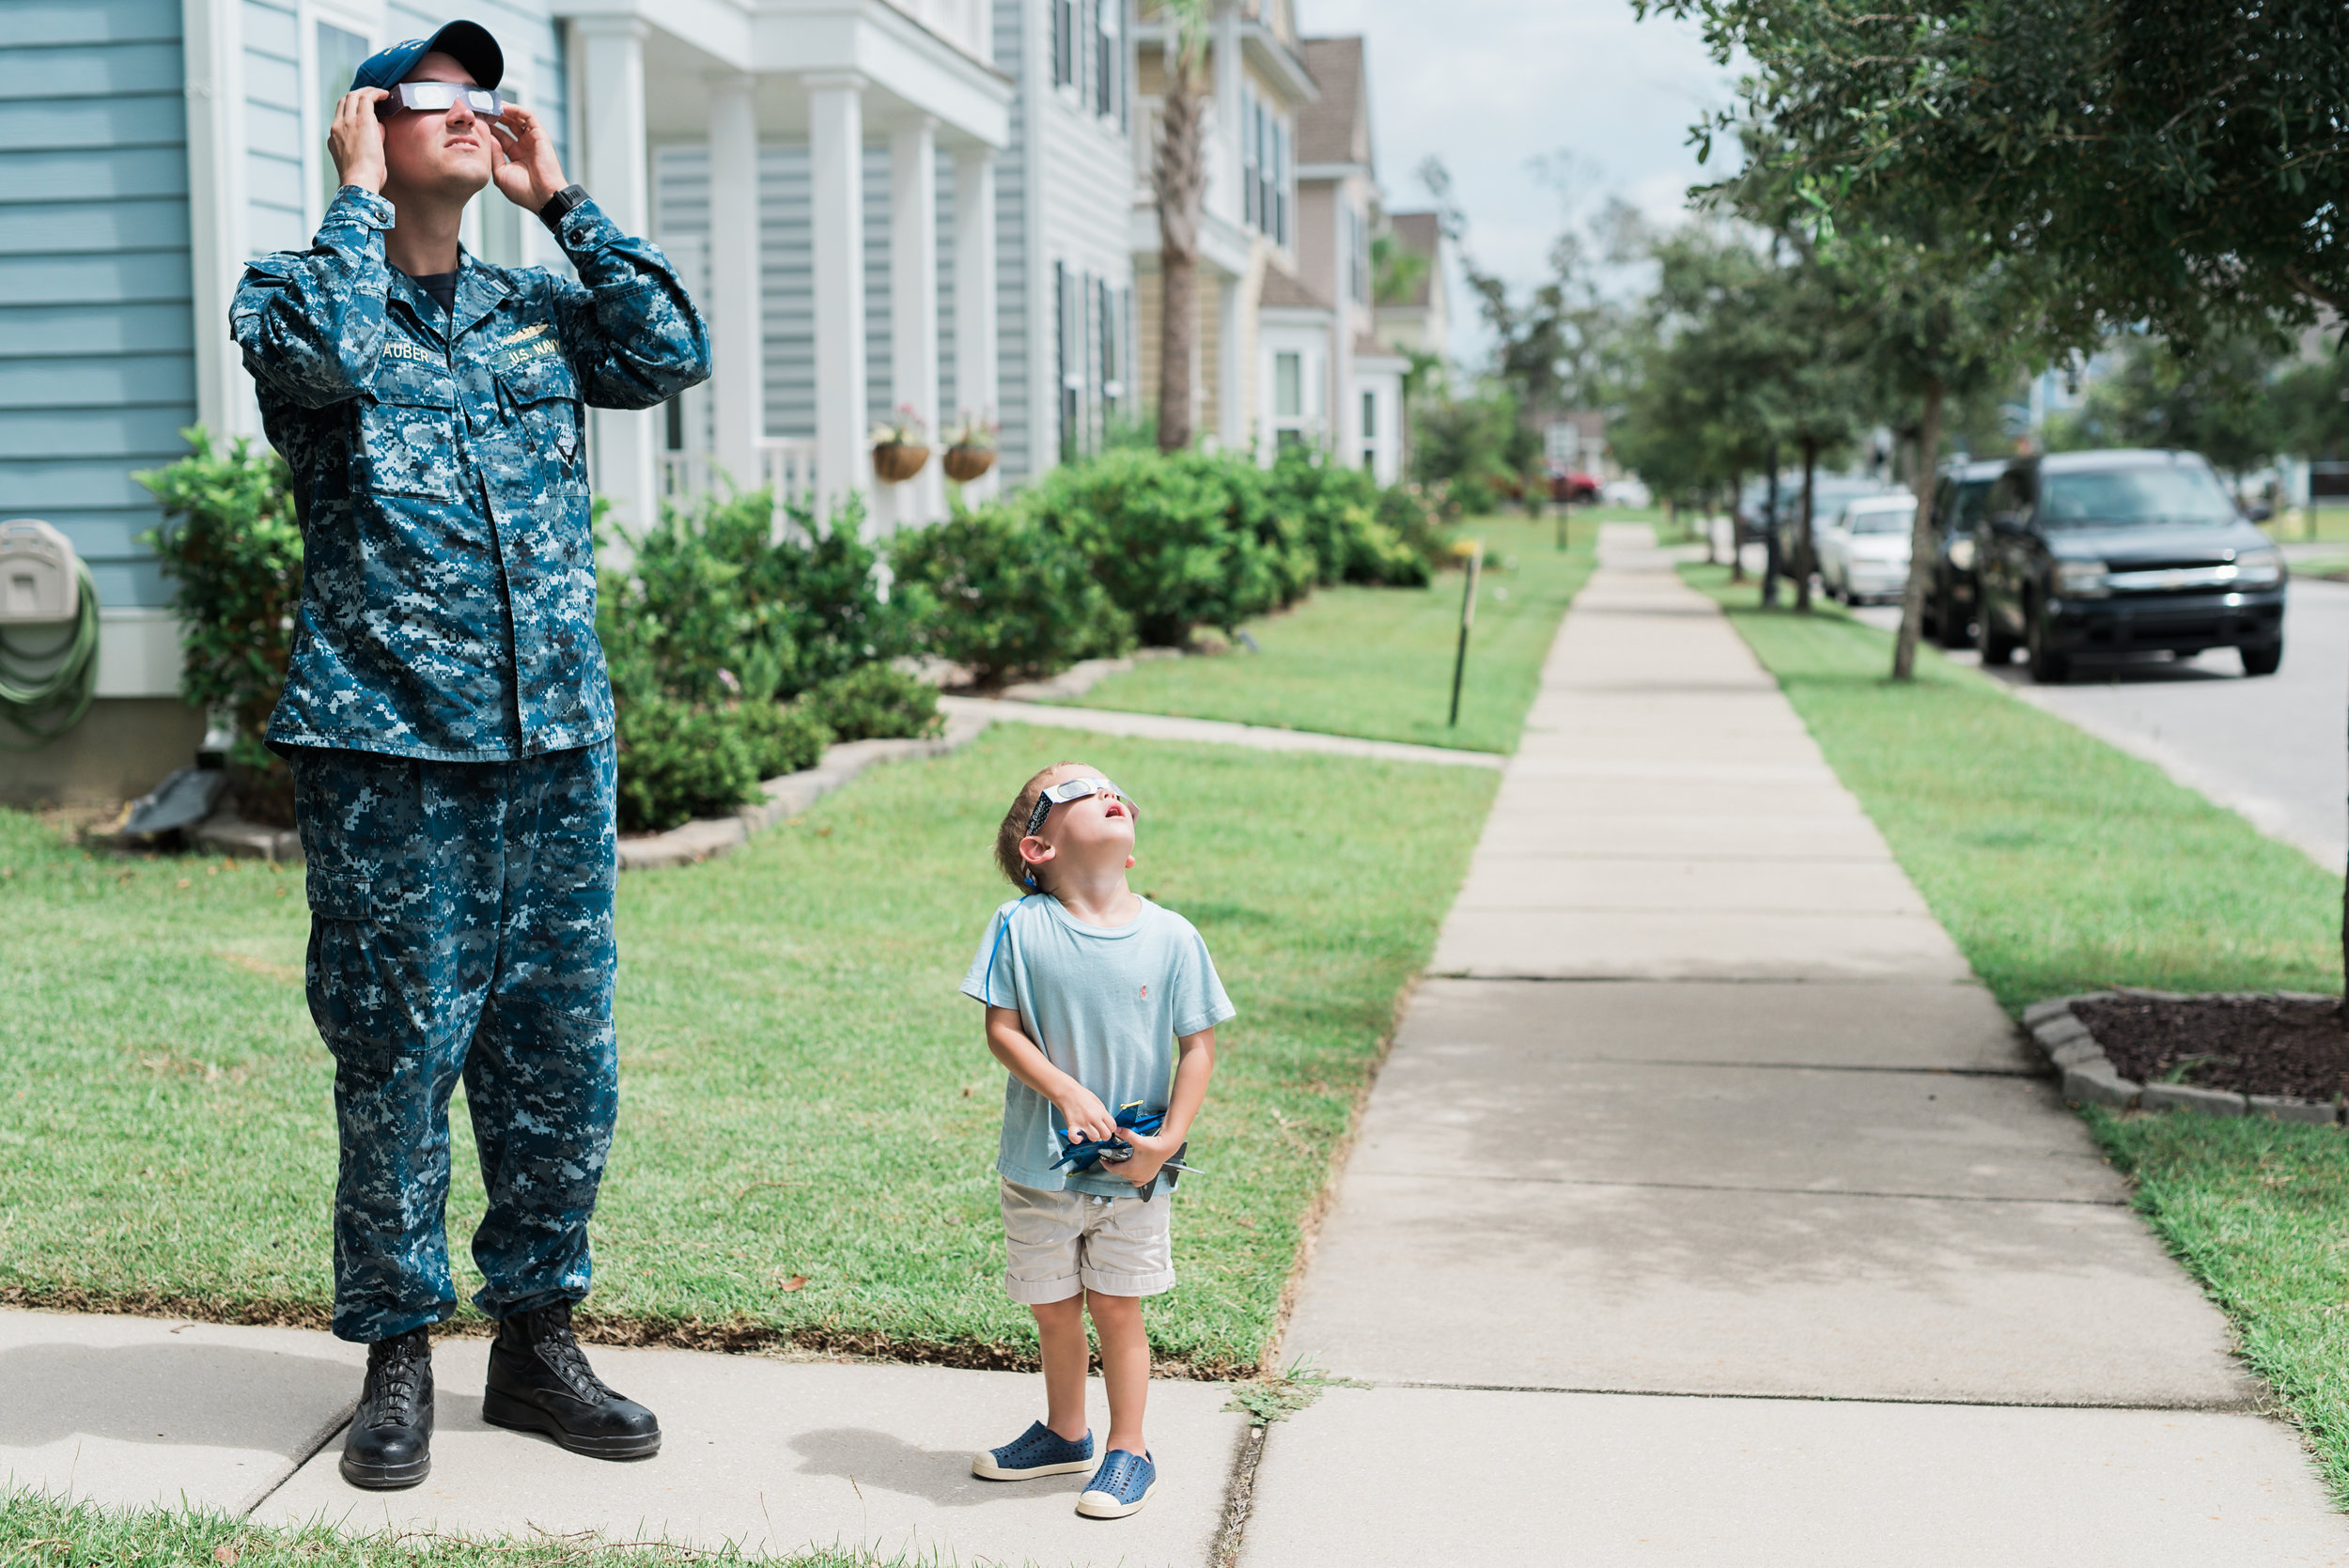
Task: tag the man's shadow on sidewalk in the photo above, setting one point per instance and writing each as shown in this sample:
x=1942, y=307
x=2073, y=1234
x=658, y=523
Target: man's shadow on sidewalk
x=878, y=1459
x=184, y=1396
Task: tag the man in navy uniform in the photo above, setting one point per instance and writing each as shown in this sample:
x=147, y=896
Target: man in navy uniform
x=448, y=722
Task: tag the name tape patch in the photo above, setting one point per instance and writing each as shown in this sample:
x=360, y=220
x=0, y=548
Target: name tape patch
x=399, y=347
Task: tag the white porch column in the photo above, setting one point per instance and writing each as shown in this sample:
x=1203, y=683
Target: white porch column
x=977, y=368
x=835, y=148
x=737, y=337
x=615, y=172
x=914, y=308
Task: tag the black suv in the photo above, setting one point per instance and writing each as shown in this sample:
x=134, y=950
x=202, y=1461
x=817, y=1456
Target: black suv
x=1958, y=504
x=2096, y=552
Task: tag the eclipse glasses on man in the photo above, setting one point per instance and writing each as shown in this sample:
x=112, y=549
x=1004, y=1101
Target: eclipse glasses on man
x=435, y=98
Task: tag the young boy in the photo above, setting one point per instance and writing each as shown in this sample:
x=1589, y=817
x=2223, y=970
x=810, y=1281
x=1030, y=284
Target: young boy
x=1096, y=1001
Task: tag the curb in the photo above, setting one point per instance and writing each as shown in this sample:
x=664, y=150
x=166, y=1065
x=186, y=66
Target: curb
x=787, y=794
x=2089, y=1077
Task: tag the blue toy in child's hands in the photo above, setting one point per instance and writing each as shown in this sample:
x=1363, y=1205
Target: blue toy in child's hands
x=1087, y=1154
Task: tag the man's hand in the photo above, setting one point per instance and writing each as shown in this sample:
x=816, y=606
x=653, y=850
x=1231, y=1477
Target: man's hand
x=1149, y=1155
x=355, y=140
x=527, y=170
x=1087, y=1117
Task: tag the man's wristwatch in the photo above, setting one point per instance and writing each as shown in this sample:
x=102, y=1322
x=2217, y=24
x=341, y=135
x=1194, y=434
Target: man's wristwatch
x=559, y=205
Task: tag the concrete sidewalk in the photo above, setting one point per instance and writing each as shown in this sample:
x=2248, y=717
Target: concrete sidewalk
x=773, y=1455
x=1709, y=1213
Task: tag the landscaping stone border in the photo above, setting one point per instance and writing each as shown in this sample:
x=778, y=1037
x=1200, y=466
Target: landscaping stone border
x=786, y=797
x=2089, y=1077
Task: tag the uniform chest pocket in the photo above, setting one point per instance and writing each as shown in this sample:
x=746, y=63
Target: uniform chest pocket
x=543, y=396
x=408, y=425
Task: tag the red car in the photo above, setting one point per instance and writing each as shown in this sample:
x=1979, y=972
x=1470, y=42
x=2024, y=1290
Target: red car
x=1572, y=487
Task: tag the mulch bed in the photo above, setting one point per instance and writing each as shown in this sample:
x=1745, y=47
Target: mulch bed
x=2249, y=1045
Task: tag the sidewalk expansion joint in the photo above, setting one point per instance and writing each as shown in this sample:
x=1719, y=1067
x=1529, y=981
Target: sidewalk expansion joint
x=1727, y=1187
x=1818, y=1066
x=1239, y=1496
x=2212, y=1408
x=309, y=1449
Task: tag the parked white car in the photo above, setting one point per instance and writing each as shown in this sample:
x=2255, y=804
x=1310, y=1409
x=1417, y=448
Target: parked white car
x=1863, y=553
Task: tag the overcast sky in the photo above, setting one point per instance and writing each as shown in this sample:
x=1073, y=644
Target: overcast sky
x=1490, y=85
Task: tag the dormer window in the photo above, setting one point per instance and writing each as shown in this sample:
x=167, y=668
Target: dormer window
x=1265, y=198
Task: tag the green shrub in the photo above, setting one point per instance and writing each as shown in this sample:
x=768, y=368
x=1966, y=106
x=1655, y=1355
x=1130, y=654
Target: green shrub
x=713, y=609
x=787, y=738
x=876, y=702
x=1179, y=540
x=679, y=762
x=1008, y=596
x=235, y=563
x=1338, y=509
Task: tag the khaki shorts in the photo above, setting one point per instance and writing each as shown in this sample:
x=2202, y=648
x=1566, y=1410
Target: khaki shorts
x=1056, y=1242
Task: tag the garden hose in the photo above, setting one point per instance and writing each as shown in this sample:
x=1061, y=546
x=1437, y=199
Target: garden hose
x=34, y=685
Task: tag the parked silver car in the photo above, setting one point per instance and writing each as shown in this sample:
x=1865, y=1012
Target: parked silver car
x=1863, y=550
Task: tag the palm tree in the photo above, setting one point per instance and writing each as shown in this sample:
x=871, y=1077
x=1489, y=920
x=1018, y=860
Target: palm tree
x=1179, y=178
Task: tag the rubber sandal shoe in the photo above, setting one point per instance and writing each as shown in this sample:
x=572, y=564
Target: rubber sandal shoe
x=1038, y=1452
x=1121, y=1486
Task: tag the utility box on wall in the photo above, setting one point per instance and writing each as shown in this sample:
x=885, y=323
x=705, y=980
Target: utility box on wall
x=37, y=579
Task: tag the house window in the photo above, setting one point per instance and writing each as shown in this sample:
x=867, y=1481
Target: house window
x=1106, y=75
x=1069, y=306
x=1113, y=359
x=1357, y=257
x=1064, y=42
x=1288, y=387
x=340, y=51
x=1370, y=429
x=1250, y=159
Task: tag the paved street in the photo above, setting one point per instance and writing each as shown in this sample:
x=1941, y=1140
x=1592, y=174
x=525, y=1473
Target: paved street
x=2271, y=749
x=1709, y=1213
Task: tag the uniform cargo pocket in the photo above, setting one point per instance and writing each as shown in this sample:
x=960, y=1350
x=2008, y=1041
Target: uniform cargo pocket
x=410, y=445
x=544, y=395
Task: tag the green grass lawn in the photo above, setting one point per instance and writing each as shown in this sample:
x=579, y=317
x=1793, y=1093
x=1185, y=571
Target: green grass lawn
x=2061, y=864
x=805, y=1095
x=1376, y=662
x=2058, y=863
x=37, y=1531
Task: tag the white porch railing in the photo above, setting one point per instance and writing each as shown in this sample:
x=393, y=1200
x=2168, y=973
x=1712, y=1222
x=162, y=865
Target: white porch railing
x=786, y=469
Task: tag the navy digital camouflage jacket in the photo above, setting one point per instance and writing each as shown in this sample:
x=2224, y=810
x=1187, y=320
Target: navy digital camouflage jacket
x=448, y=596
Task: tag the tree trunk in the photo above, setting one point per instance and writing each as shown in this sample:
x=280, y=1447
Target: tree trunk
x=1806, y=553
x=1737, y=545
x=1919, y=535
x=1770, y=562
x=1179, y=182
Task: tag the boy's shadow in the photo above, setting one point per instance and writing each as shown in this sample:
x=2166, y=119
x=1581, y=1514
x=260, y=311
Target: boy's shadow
x=877, y=1459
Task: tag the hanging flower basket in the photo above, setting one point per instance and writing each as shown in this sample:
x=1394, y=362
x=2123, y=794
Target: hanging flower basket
x=896, y=461
x=966, y=463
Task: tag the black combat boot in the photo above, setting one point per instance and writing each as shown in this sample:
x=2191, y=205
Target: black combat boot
x=390, y=1443
x=539, y=1381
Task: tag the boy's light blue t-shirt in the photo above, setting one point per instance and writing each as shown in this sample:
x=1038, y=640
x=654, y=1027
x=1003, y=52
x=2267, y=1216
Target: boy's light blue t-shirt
x=1107, y=1004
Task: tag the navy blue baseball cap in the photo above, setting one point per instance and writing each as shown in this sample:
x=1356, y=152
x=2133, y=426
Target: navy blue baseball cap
x=468, y=43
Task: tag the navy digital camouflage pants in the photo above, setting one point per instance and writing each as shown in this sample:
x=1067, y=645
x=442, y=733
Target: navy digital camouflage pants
x=461, y=922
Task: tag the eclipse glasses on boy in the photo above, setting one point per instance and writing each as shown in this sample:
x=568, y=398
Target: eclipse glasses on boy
x=438, y=98
x=1072, y=789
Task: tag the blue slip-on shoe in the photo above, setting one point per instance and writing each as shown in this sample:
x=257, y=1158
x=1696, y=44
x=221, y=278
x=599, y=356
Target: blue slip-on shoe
x=1039, y=1451
x=1121, y=1487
